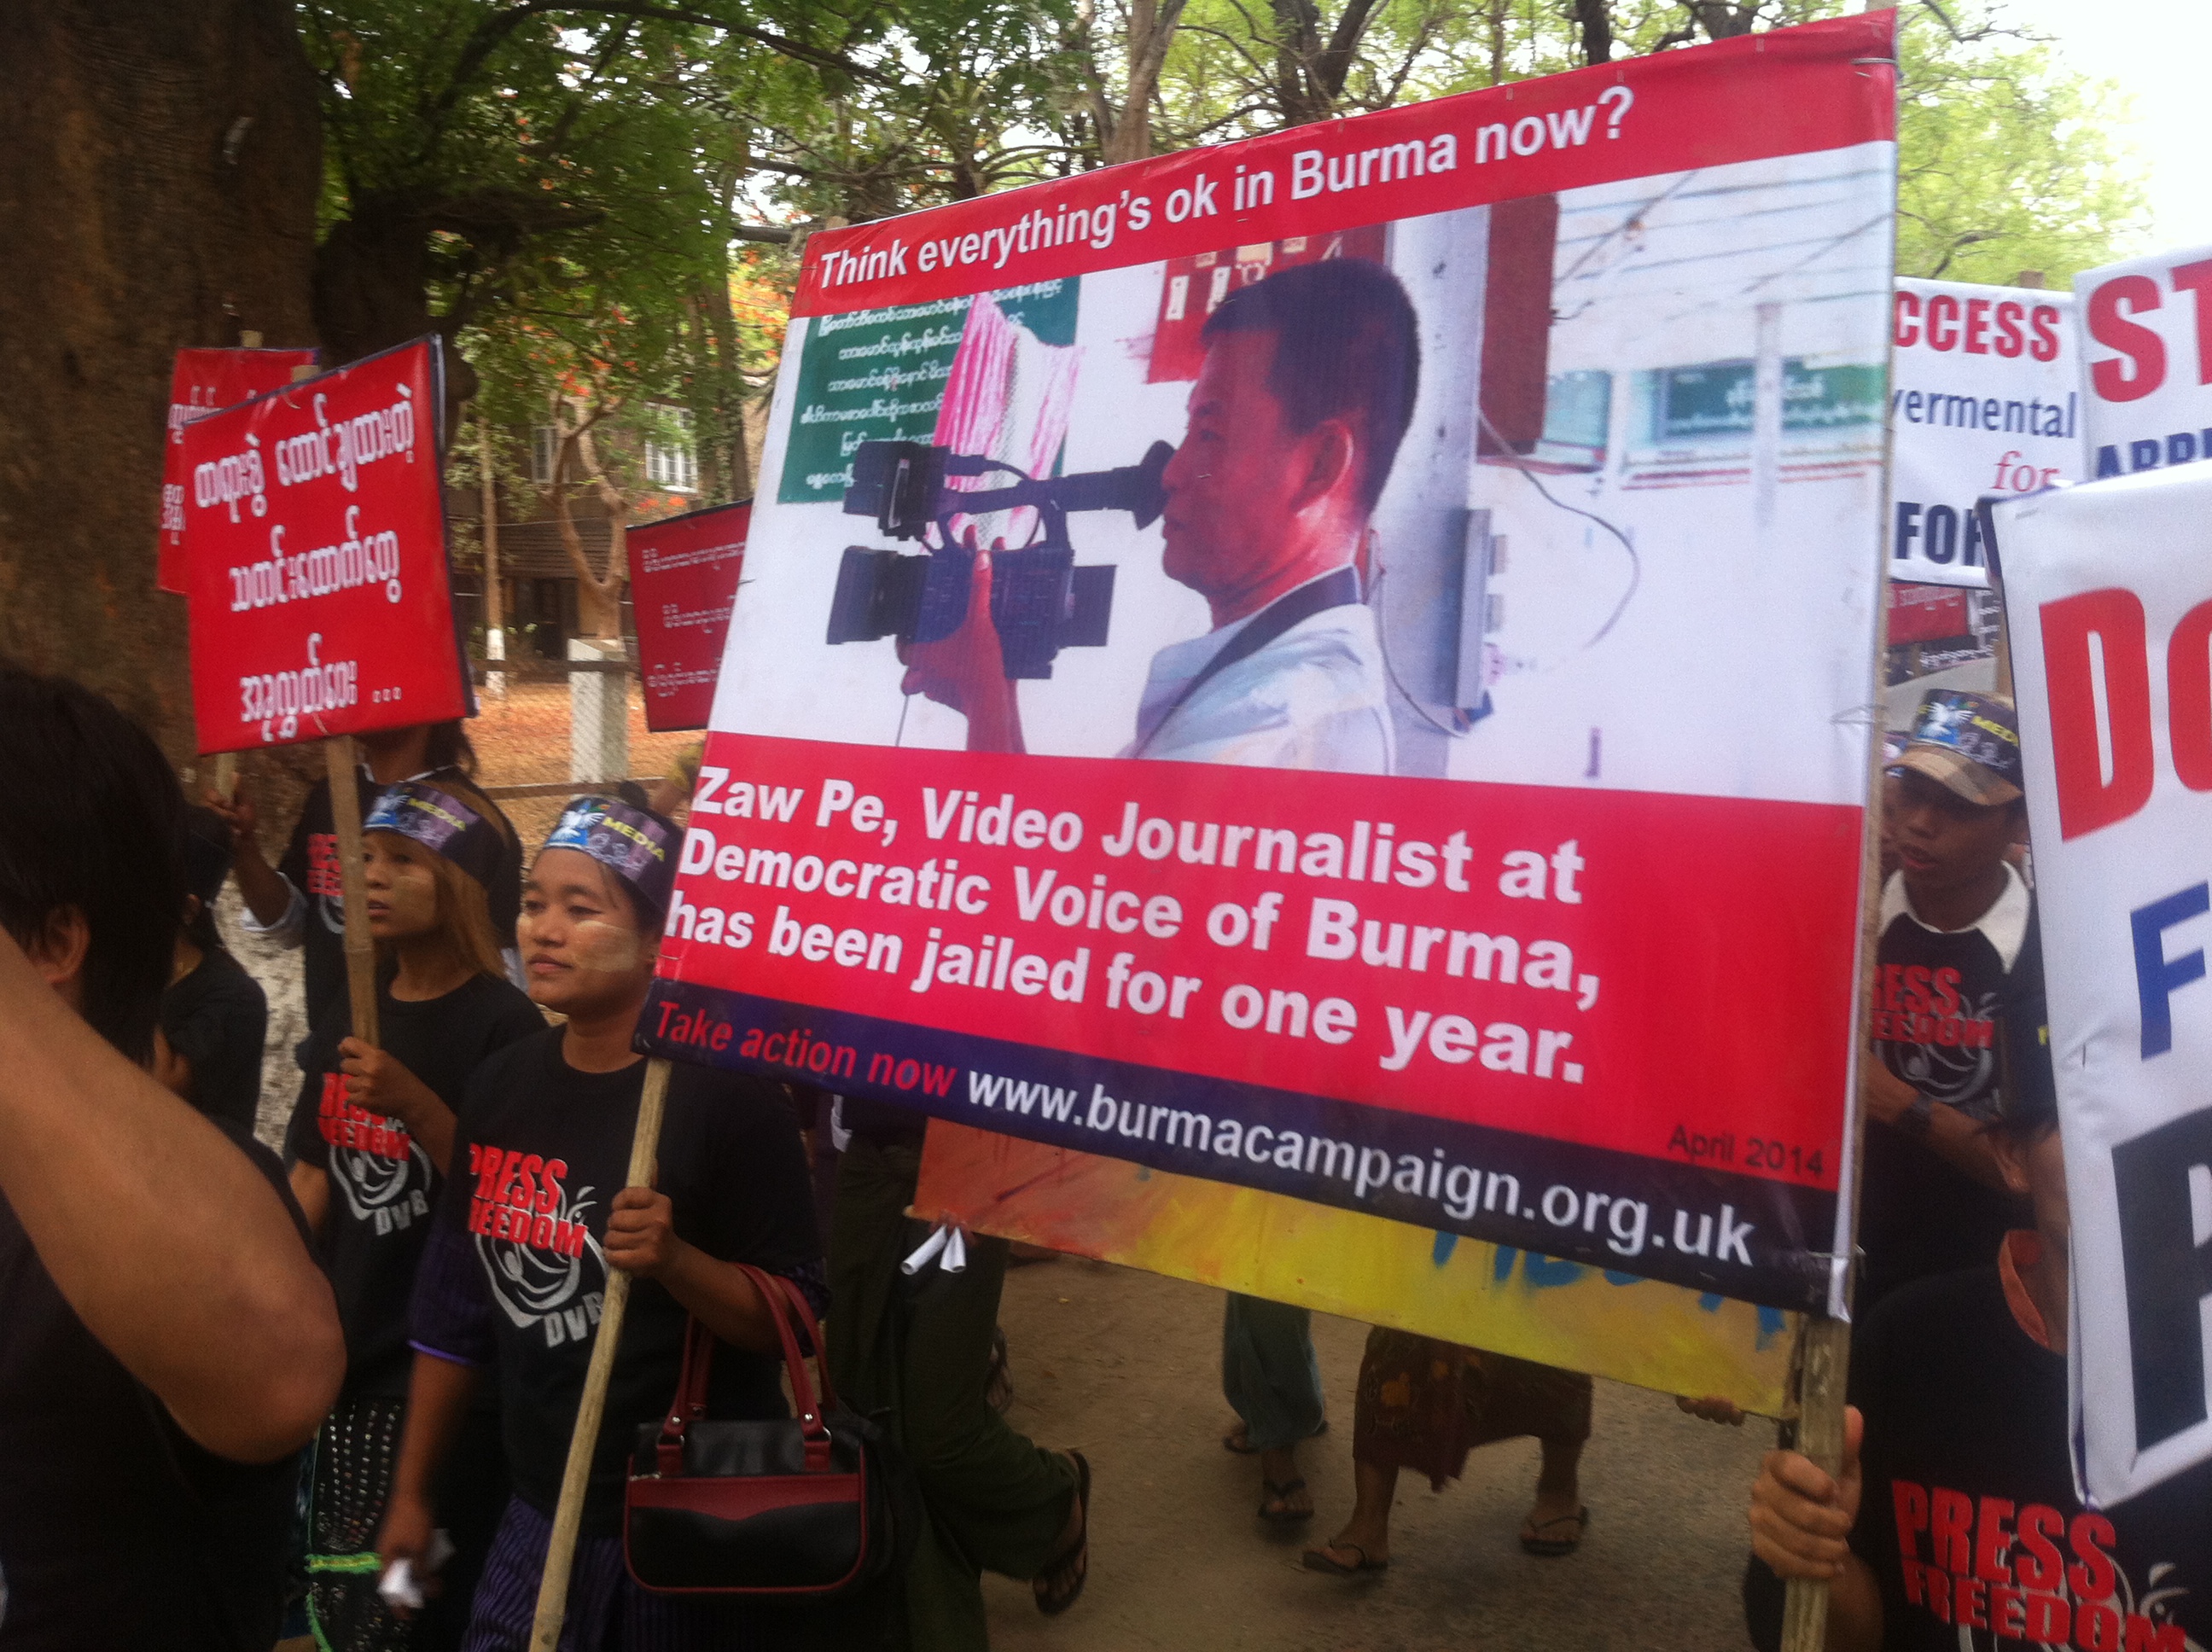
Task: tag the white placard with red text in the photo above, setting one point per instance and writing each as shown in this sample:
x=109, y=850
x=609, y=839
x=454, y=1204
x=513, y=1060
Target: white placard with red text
x=314, y=540
x=2147, y=362
x=2108, y=590
x=1984, y=397
x=1577, y=972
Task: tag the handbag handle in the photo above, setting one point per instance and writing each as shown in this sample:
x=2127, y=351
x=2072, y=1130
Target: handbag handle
x=782, y=1300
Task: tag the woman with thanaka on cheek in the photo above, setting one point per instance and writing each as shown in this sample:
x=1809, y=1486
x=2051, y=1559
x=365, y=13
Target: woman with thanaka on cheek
x=536, y=1212
x=371, y=1142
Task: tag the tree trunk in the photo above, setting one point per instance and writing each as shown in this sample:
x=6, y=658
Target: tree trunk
x=1152, y=25
x=159, y=164
x=598, y=595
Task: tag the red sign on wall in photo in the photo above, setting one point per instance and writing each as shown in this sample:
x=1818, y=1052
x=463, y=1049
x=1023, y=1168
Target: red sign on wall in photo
x=684, y=576
x=1923, y=613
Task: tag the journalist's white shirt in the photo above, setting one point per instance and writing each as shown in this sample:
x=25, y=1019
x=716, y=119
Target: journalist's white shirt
x=1315, y=697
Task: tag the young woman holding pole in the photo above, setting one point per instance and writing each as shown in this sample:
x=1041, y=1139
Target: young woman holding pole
x=537, y=1240
x=371, y=1144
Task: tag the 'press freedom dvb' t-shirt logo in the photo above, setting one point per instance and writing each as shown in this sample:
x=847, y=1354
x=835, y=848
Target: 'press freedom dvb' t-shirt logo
x=545, y=1265
x=381, y=1170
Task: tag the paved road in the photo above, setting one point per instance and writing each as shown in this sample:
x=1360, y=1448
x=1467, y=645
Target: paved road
x=1124, y=1365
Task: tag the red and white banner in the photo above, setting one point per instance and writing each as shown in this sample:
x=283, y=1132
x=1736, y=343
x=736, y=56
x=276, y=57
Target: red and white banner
x=2146, y=368
x=1365, y=766
x=683, y=573
x=314, y=536
x=1985, y=399
x=204, y=381
x=1927, y=613
x=2108, y=589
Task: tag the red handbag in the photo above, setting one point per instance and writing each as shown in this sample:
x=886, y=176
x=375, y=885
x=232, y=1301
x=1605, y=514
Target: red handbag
x=788, y=1507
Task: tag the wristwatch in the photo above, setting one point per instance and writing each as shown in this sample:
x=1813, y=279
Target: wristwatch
x=1916, y=1119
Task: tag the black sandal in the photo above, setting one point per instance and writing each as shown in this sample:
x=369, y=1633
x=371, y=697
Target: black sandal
x=1076, y=1561
x=1270, y=1492
x=1553, y=1548
x=1319, y=1560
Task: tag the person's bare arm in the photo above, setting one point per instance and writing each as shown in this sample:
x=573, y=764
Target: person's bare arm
x=1951, y=1135
x=642, y=1240
x=1801, y=1526
x=311, y=1186
x=211, y=1299
x=438, y=1395
x=266, y=892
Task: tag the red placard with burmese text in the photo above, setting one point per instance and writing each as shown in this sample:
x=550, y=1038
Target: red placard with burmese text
x=683, y=573
x=1401, y=753
x=203, y=381
x=321, y=601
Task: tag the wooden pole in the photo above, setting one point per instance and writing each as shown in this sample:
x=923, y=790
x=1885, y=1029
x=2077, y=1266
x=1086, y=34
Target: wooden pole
x=360, y=945
x=561, y=1551
x=1824, y=1361
x=494, y=596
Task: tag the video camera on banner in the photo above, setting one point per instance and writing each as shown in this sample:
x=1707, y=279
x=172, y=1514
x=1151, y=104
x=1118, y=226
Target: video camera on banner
x=1040, y=601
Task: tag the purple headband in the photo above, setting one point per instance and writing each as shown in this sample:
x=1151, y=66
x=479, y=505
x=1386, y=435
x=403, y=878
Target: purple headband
x=440, y=822
x=636, y=847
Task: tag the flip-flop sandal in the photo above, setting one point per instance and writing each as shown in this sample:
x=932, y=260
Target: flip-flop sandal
x=1240, y=1443
x=1271, y=1493
x=1551, y=1548
x=1076, y=1560
x=1318, y=1560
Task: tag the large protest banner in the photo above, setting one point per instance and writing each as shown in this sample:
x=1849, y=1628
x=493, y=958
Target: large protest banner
x=683, y=573
x=2108, y=589
x=1985, y=399
x=1501, y=875
x=203, y=381
x=314, y=539
x=1569, y=1314
x=2147, y=361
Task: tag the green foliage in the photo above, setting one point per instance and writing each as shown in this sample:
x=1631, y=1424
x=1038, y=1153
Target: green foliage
x=2004, y=163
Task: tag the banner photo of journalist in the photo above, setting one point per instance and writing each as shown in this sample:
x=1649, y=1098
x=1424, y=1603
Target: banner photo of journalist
x=683, y=575
x=203, y=381
x=321, y=598
x=1985, y=399
x=1261, y=663
x=2109, y=590
x=2147, y=350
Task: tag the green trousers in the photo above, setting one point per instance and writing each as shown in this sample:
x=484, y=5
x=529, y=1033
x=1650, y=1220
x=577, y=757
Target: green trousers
x=917, y=1353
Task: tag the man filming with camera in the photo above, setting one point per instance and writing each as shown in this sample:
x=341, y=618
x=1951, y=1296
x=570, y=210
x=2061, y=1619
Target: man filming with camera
x=1306, y=392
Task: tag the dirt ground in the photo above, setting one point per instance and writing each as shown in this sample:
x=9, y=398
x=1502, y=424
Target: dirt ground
x=1126, y=1366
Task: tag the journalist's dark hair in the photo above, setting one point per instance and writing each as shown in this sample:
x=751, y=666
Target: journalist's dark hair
x=94, y=826
x=1347, y=346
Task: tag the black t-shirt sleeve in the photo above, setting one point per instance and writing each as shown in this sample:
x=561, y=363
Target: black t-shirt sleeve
x=293, y=862
x=762, y=1209
x=303, y=1137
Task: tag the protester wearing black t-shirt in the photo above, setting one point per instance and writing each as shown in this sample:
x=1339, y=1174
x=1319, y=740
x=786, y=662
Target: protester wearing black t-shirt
x=166, y=1341
x=1958, y=946
x=536, y=1212
x=214, y=1016
x=299, y=901
x=370, y=1139
x=1953, y=1526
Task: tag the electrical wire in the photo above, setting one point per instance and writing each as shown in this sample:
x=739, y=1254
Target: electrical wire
x=1635, y=561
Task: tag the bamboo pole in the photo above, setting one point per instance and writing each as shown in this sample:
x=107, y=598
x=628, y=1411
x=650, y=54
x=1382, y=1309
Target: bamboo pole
x=1824, y=1362
x=360, y=945
x=561, y=1551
